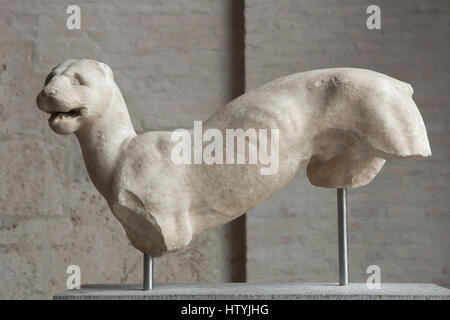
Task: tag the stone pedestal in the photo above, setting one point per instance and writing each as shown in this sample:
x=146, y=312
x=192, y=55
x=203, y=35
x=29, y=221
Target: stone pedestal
x=235, y=291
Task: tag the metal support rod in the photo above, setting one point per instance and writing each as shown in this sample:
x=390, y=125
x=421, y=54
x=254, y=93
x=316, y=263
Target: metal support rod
x=343, y=237
x=148, y=272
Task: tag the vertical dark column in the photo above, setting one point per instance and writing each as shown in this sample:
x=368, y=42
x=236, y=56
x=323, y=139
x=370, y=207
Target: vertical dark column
x=234, y=233
x=237, y=45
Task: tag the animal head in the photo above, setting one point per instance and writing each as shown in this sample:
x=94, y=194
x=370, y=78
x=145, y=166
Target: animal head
x=76, y=92
x=365, y=119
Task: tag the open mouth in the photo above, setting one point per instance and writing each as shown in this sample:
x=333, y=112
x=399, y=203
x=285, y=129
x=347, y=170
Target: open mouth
x=74, y=113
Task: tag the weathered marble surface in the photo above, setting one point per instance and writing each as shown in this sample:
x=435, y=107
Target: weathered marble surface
x=341, y=123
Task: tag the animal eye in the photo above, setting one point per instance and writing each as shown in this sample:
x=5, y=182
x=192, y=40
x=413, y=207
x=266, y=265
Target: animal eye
x=77, y=80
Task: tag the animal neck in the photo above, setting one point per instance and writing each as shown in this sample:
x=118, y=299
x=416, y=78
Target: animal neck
x=101, y=142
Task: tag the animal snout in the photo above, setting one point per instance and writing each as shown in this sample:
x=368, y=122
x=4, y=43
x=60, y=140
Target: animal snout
x=42, y=94
x=49, y=91
x=42, y=99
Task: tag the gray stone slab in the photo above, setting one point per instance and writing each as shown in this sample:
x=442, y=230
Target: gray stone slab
x=235, y=291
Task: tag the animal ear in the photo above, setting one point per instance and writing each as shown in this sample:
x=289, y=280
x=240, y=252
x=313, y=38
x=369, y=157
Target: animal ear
x=63, y=65
x=105, y=69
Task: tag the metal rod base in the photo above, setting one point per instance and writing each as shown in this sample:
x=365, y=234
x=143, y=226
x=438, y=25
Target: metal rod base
x=148, y=272
x=343, y=236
